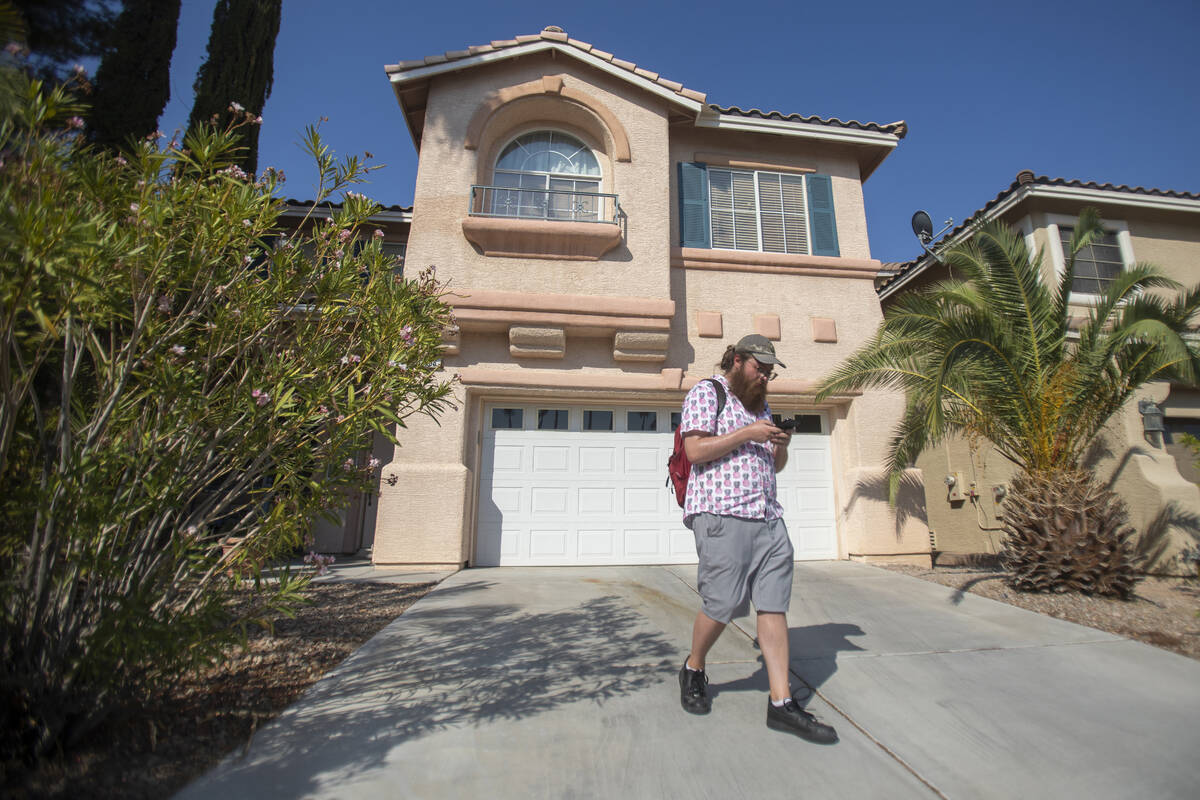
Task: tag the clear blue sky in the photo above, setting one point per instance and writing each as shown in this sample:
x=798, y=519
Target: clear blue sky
x=1101, y=91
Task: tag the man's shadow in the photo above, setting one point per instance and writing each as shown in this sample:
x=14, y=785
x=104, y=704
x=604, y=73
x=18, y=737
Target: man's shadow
x=813, y=650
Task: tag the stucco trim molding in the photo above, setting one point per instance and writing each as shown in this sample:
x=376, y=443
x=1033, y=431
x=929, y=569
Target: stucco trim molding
x=722, y=160
x=791, y=389
x=667, y=380
x=484, y=310
x=782, y=263
x=549, y=84
x=556, y=240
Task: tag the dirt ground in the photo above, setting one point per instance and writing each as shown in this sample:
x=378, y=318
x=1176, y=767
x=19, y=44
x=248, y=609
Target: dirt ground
x=1163, y=611
x=154, y=750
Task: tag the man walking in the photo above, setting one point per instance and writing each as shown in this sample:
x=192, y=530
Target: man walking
x=744, y=550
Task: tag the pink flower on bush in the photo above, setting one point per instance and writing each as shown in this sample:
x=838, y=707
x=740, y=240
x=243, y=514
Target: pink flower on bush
x=260, y=397
x=344, y=236
x=178, y=349
x=121, y=161
x=236, y=108
x=321, y=562
x=135, y=207
x=348, y=465
x=164, y=304
x=75, y=123
x=406, y=334
x=378, y=234
x=374, y=463
x=13, y=48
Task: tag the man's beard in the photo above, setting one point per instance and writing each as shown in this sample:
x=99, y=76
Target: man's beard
x=751, y=391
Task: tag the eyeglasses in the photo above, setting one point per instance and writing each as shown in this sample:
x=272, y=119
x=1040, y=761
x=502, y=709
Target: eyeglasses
x=768, y=373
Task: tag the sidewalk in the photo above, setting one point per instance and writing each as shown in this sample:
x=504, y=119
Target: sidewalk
x=562, y=683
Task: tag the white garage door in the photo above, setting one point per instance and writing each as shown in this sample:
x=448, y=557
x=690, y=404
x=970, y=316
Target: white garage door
x=569, y=485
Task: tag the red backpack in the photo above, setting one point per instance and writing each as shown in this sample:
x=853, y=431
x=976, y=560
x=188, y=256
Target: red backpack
x=679, y=468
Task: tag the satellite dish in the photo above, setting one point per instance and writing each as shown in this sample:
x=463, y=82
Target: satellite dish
x=922, y=226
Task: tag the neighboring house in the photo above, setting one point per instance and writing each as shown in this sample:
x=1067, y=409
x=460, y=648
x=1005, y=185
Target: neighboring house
x=355, y=527
x=1142, y=225
x=605, y=233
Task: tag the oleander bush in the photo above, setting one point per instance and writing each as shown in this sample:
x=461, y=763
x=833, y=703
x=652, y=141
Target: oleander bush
x=183, y=390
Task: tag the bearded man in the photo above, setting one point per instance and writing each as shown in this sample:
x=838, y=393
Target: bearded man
x=743, y=546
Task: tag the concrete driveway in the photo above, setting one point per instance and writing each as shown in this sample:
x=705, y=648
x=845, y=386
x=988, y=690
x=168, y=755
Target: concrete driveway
x=561, y=683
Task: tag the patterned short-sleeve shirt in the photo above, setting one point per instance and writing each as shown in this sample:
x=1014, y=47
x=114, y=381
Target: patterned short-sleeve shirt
x=742, y=482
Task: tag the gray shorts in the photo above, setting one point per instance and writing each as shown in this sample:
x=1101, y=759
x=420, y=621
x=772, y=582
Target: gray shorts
x=742, y=560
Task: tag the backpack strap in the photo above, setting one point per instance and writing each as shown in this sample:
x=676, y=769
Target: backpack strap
x=720, y=388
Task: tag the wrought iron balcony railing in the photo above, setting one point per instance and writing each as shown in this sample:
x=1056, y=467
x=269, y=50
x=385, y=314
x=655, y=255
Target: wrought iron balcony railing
x=548, y=204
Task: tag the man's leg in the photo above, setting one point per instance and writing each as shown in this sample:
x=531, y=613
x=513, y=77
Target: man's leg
x=773, y=641
x=705, y=631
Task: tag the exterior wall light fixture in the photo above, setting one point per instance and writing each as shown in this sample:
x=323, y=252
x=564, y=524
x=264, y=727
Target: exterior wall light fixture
x=1152, y=422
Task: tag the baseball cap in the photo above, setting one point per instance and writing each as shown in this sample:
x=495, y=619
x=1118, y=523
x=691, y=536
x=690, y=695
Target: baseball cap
x=760, y=347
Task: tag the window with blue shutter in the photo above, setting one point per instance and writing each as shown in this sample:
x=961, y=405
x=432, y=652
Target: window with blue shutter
x=755, y=210
x=820, y=216
x=693, y=205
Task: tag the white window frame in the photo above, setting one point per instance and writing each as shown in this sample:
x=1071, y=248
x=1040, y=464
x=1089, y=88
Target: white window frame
x=1057, y=257
x=758, y=210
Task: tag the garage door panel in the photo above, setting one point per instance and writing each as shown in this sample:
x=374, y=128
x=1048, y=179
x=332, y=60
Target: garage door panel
x=598, y=501
x=548, y=543
x=551, y=459
x=597, y=460
x=505, y=500
x=817, y=500
x=642, y=459
x=597, y=543
x=549, y=500
x=598, y=497
x=642, y=501
x=683, y=544
x=642, y=542
x=507, y=458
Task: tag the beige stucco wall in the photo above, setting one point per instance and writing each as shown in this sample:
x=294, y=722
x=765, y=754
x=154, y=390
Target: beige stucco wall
x=1161, y=503
x=428, y=494
x=447, y=170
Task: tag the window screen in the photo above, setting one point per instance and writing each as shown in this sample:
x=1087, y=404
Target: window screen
x=1096, y=265
x=762, y=211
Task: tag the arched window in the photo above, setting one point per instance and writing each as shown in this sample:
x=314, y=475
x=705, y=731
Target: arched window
x=548, y=175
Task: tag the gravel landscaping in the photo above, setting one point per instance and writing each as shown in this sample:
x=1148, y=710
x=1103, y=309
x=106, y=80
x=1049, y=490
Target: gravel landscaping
x=1164, y=611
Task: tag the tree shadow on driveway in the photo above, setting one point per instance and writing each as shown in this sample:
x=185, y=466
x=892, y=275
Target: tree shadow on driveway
x=449, y=661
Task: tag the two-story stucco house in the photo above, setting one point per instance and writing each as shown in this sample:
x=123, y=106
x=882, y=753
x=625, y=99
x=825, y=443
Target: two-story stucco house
x=1149, y=468
x=605, y=232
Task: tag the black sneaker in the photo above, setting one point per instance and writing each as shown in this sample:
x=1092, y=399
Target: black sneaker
x=791, y=718
x=693, y=690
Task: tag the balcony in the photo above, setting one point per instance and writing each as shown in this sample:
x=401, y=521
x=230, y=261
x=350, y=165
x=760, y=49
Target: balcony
x=543, y=223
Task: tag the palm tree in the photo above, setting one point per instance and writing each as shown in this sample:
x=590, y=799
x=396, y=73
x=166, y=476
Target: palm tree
x=992, y=354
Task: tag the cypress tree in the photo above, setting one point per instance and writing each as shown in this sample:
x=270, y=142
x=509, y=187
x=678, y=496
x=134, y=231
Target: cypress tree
x=59, y=32
x=238, y=68
x=133, y=83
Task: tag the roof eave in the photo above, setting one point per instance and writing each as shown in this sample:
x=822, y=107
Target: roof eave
x=1025, y=191
x=876, y=145
x=400, y=76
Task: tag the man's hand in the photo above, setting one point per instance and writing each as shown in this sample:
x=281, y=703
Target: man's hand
x=781, y=439
x=762, y=431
